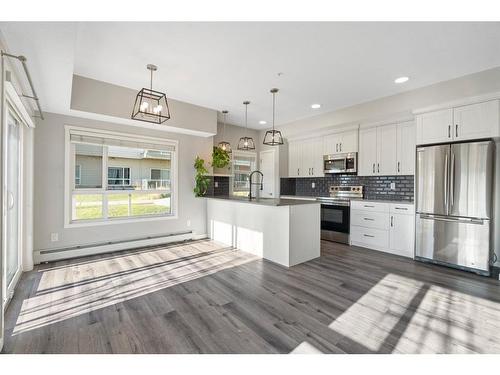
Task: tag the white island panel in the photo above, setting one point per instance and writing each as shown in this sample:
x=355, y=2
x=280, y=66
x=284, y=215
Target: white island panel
x=287, y=235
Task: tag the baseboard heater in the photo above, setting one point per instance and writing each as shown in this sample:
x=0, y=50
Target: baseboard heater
x=49, y=255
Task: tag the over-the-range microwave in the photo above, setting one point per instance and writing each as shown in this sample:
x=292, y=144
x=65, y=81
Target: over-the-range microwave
x=341, y=163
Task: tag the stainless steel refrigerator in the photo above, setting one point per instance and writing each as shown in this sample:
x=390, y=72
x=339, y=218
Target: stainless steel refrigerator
x=454, y=204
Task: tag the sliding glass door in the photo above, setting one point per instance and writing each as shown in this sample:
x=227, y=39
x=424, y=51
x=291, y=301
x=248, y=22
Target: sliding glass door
x=13, y=193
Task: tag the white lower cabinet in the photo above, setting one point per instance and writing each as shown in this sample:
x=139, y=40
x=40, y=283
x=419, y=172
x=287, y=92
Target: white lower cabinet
x=387, y=227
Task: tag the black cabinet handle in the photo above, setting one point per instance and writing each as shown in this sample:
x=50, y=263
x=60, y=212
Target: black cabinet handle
x=378, y=167
x=401, y=208
x=456, y=130
x=368, y=235
x=368, y=219
x=399, y=169
x=392, y=221
x=373, y=168
x=449, y=131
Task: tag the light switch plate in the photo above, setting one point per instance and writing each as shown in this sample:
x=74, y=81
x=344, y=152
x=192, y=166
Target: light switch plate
x=216, y=184
x=313, y=185
x=54, y=237
x=393, y=186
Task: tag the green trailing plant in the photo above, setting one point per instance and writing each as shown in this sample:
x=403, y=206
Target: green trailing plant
x=220, y=158
x=201, y=179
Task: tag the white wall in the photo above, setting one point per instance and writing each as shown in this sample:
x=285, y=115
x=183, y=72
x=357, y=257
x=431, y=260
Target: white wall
x=49, y=187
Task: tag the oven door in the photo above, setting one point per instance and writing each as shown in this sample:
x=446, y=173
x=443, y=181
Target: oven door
x=334, y=165
x=335, y=218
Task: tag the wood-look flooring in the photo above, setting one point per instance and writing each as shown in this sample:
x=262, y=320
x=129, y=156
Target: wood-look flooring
x=202, y=297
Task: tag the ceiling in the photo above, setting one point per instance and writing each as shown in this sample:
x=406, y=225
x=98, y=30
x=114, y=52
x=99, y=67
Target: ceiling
x=219, y=65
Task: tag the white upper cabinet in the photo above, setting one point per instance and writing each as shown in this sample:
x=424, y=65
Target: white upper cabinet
x=406, y=148
x=475, y=121
x=341, y=143
x=386, y=150
x=367, y=157
x=468, y=122
x=435, y=127
x=305, y=158
x=349, y=141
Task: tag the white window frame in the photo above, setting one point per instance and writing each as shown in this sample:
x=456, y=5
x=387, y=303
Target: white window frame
x=240, y=153
x=78, y=176
x=69, y=179
x=123, y=178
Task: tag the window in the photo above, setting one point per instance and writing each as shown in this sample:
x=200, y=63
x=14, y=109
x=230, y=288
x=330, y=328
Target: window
x=118, y=176
x=243, y=164
x=136, y=183
x=78, y=174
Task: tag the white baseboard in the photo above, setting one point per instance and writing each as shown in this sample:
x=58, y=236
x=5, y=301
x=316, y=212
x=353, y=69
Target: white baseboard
x=50, y=255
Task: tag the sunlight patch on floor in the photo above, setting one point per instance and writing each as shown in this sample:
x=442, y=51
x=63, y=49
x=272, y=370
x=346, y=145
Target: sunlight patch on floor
x=403, y=315
x=66, y=292
x=306, y=348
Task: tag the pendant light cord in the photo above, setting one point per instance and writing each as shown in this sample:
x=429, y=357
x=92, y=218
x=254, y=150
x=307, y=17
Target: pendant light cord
x=246, y=120
x=274, y=106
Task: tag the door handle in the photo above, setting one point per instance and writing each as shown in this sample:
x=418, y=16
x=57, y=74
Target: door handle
x=452, y=219
x=446, y=182
x=452, y=180
x=456, y=130
x=10, y=203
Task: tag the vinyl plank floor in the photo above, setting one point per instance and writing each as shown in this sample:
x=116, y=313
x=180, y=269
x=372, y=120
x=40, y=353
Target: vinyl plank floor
x=203, y=297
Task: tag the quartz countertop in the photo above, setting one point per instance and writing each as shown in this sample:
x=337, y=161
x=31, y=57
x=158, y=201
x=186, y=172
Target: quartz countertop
x=266, y=201
x=311, y=198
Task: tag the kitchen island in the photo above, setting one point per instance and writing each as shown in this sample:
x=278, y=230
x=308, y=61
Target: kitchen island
x=284, y=231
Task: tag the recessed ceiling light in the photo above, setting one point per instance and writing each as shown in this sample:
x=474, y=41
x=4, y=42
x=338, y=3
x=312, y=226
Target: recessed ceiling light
x=262, y=122
x=315, y=106
x=401, y=80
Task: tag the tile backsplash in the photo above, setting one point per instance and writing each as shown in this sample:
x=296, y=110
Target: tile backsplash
x=222, y=187
x=375, y=187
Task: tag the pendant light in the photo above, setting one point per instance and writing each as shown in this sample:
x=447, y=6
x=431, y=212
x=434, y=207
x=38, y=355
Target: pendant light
x=223, y=145
x=151, y=105
x=273, y=137
x=246, y=143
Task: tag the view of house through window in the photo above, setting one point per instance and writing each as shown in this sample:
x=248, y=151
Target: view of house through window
x=136, y=182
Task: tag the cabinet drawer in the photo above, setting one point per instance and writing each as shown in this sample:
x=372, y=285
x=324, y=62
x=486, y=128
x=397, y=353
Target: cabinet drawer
x=370, y=219
x=370, y=206
x=402, y=208
x=373, y=238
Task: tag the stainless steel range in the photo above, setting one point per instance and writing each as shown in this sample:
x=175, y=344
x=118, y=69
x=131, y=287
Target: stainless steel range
x=335, y=212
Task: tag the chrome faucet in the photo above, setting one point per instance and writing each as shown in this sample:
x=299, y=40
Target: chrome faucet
x=251, y=183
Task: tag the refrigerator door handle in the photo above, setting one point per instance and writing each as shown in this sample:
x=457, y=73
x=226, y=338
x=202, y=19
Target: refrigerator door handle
x=452, y=219
x=446, y=183
x=452, y=181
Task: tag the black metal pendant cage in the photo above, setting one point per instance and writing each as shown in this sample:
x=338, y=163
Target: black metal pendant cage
x=246, y=144
x=273, y=138
x=225, y=146
x=151, y=106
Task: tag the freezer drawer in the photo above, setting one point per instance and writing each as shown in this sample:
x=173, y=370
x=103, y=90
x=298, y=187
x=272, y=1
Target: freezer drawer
x=460, y=242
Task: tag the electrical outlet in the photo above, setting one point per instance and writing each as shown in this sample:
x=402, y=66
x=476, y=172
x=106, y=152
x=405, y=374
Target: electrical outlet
x=54, y=237
x=188, y=223
x=393, y=186
x=216, y=184
x=313, y=185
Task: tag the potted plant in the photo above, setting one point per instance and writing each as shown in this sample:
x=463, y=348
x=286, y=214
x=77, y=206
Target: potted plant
x=202, y=181
x=220, y=158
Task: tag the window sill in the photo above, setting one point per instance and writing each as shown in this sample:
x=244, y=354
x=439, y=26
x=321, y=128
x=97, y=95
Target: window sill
x=97, y=223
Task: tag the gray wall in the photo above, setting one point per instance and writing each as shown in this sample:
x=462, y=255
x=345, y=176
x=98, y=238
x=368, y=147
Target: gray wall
x=49, y=186
x=90, y=95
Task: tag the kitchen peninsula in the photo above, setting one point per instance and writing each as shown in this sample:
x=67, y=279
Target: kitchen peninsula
x=284, y=231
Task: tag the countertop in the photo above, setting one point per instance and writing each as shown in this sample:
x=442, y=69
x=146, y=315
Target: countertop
x=310, y=198
x=266, y=201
